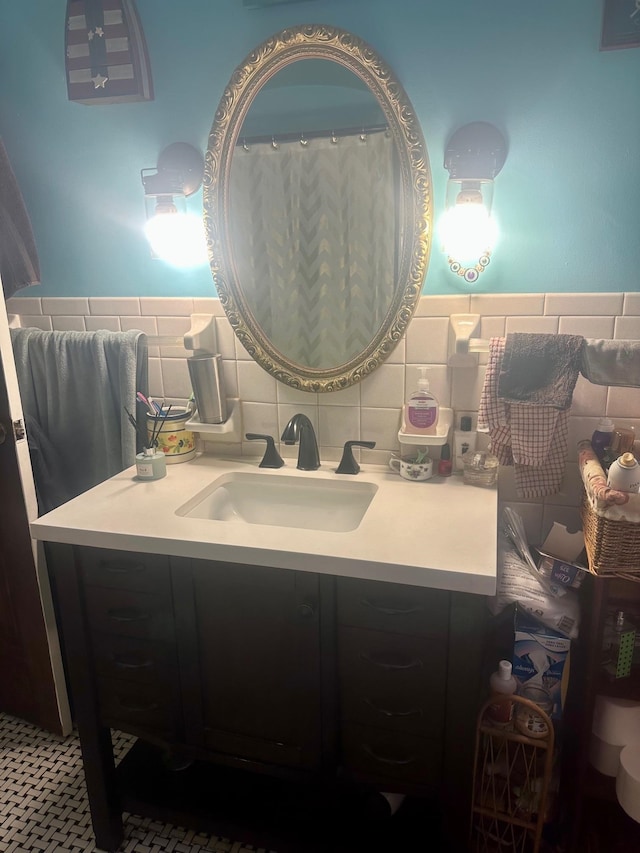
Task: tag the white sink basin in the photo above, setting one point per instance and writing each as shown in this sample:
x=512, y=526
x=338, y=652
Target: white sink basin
x=283, y=501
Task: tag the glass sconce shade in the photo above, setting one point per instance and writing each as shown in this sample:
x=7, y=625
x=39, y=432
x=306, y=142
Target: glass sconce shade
x=474, y=156
x=467, y=229
x=176, y=236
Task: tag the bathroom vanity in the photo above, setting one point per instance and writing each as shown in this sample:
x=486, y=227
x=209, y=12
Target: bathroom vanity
x=238, y=652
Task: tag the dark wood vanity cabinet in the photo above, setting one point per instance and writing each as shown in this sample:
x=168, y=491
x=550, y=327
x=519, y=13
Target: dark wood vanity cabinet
x=258, y=647
x=291, y=674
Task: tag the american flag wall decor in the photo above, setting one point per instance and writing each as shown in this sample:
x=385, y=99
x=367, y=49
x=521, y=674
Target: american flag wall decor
x=106, y=53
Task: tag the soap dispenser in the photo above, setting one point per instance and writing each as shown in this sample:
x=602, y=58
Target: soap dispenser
x=420, y=414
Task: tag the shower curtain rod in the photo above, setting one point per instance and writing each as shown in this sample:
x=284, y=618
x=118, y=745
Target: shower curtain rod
x=312, y=134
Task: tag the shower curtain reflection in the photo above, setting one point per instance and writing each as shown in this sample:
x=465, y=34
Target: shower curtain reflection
x=315, y=237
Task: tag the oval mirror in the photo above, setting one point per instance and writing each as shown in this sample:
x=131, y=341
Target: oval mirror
x=317, y=207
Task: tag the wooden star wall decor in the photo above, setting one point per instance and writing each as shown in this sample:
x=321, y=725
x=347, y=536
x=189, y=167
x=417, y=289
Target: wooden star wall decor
x=106, y=53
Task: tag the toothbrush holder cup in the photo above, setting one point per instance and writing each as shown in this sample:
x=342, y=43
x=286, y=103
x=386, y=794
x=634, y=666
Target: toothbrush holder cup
x=173, y=440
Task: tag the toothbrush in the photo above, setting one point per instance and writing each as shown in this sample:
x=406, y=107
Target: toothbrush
x=140, y=396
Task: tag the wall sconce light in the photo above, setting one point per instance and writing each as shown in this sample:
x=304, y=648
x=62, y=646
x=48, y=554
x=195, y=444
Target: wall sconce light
x=473, y=157
x=176, y=236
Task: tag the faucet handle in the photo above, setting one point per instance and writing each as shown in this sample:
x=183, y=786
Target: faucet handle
x=348, y=464
x=271, y=458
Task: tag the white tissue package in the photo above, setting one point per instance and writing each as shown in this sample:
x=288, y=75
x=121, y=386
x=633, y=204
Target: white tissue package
x=540, y=657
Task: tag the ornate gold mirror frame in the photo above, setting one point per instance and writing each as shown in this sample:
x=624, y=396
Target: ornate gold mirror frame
x=319, y=42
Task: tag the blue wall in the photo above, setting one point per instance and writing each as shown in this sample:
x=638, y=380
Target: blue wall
x=567, y=198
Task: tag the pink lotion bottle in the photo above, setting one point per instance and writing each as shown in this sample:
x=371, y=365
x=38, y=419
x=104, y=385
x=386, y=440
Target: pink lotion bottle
x=420, y=414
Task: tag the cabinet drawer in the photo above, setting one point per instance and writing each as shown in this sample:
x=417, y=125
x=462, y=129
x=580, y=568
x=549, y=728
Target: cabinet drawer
x=254, y=748
x=393, y=607
x=125, y=570
x=127, y=613
x=391, y=680
x=134, y=659
x=140, y=705
x=381, y=755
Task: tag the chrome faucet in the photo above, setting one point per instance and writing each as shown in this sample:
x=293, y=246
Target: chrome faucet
x=301, y=429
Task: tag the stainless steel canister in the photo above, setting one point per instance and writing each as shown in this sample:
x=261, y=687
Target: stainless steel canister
x=207, y=381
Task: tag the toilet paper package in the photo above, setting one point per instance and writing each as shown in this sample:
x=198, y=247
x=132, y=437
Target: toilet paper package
x=541, y=658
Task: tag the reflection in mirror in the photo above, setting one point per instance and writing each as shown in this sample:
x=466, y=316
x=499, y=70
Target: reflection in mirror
x=313, y=235
x=317, y=208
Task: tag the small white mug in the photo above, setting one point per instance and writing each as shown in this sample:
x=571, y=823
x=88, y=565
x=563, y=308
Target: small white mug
x=408, y=468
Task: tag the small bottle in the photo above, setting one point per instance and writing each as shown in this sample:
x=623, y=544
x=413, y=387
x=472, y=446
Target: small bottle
x=624, y=474
x=602, y=437
x=445, y=465
x=502, y=683
x=420, y=414
x=150, y=464
x=464, y=441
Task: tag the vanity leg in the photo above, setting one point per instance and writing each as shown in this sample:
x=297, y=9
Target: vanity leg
x=95, y=739
x=99, y=771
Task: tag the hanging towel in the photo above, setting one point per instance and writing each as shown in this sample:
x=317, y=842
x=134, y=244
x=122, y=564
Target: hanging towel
x=531, y=438
x=611, y=362
x=540, y=369
x=75, y=385
x=19, y=265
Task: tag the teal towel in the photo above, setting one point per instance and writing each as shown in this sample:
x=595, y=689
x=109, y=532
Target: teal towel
x=75, y=386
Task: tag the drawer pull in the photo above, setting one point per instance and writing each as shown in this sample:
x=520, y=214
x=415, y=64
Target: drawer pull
x=413, y=663
x=127, y=614
x=133, y=705
x=399, y=762
x=411, y=712
x=391, y=611
x=123, y=663
x=121, y=567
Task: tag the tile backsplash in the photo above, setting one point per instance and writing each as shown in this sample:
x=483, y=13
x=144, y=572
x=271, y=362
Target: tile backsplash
x=371, y=410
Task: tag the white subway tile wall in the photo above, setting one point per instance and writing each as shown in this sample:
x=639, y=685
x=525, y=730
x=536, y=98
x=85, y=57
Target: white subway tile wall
x=372, y=409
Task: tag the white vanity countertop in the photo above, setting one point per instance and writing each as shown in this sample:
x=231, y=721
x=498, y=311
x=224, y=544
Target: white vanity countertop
x=439, y=533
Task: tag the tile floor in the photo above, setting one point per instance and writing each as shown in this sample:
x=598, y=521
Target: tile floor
x=44, y=808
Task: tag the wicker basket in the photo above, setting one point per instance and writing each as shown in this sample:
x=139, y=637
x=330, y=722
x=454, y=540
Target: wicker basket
x=610, y=520
x=613, y=547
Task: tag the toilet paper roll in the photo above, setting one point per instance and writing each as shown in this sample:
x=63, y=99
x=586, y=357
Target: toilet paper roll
x=616, y=721
x=628, y=781
x=604, y=756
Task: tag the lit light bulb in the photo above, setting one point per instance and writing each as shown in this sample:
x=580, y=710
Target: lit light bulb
x=467, y=231
x=177, y=238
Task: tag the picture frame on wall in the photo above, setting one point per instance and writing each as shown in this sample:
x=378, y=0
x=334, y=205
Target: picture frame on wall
x=620, y=24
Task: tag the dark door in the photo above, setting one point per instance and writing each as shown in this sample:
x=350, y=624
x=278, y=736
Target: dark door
x=27, y=682
x=259, y=651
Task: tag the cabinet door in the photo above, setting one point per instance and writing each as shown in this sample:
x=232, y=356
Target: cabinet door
x=259, y=652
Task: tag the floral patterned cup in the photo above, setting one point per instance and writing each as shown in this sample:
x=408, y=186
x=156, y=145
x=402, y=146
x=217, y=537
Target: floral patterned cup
x=411, y=468
x=177, y=443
